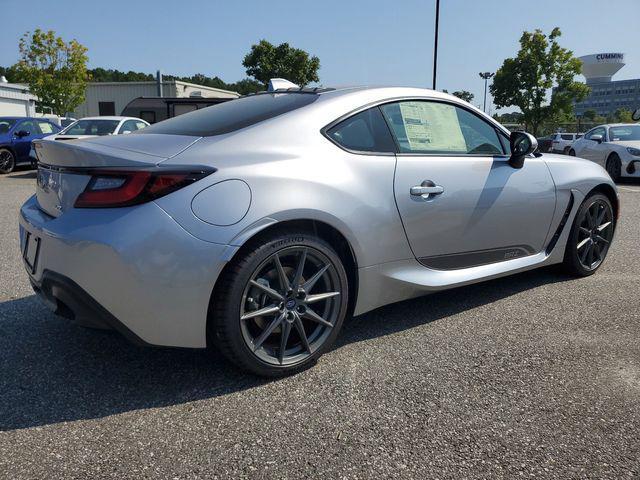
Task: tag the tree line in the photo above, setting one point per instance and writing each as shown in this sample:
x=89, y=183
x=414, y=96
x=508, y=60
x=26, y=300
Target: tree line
x=56, y=72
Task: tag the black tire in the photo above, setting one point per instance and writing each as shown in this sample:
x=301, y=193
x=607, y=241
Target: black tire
x=586, y=236
x=7, y=161
x=572, y=152
x=566, y=151
x=614, y=167
x=254, y=344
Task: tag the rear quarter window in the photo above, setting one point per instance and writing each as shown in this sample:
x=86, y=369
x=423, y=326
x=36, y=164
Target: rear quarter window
x=363, y=132
x=233, y=115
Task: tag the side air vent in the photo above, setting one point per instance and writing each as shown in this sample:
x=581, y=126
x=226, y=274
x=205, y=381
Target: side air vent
x=556, y=235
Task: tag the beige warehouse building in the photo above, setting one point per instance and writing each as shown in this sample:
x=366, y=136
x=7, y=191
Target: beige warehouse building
x=110, y=98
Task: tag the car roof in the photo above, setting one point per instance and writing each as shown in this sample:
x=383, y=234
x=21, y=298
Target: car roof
x=111, y=117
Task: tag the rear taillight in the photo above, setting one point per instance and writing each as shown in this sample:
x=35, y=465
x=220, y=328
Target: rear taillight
x=122, y=188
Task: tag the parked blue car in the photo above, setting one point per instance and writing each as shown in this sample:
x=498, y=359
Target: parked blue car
x=16, y=134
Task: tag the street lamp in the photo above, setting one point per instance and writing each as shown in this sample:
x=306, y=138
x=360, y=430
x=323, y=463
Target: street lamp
x=486, y=76
x=435, y=45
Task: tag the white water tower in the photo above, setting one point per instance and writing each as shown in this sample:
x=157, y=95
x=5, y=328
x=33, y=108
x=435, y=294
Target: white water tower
x=600, y=67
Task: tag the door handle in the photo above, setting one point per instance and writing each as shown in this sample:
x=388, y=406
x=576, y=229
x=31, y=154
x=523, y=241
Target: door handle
x=426, y=190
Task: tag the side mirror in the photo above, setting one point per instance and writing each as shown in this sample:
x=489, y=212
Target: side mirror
x=596, y=138
x=636, y=115
x=22, y=133
x=522, y=144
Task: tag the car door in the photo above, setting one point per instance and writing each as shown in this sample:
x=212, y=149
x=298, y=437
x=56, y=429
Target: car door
x=23, y=134
x=460, y=201
x=592, y=149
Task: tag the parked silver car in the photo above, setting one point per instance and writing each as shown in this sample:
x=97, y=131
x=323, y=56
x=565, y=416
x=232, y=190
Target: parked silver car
x=614, y=146
x=257, y=225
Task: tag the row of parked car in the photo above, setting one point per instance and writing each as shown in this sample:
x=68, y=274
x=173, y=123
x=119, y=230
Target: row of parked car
x=615, y=146
x=17, y=133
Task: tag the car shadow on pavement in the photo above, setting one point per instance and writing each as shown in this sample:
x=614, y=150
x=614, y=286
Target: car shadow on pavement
x=53, y=371
x=30, y=174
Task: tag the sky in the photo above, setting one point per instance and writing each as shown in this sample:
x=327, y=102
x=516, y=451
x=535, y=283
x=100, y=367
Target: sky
x=368, y=42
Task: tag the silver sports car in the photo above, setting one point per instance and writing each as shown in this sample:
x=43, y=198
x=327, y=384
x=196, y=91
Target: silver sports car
x=259, y=224
x=615, y=147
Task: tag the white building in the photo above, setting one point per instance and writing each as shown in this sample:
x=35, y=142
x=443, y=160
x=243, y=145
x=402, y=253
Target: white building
x=16, y=100
x=110, y=98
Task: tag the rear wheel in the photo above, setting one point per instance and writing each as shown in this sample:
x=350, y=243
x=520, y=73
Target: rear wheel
x=572, y=152
x=614, y=167
x=566, y=150
x=590, y=236
x=7, y=161
x=280, y=306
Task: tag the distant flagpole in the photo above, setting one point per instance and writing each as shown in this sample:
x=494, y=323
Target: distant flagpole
x=435, y=45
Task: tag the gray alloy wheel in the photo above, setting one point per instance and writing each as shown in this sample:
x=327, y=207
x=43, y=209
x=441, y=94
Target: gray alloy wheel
x=289, y=305
x=7, y=161
x=614, y=167
x=281, y=304
x=591, y=236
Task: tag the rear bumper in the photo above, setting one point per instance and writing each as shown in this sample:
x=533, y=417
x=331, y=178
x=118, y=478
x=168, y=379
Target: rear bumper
x=67, y=299
x=133, y=269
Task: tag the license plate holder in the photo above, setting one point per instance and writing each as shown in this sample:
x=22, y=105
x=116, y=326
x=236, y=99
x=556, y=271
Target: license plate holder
x=31, y=252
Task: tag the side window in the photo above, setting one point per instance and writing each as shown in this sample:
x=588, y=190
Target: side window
x=596, y=131
x=128, y=126
x=47, y=128
x=140, y=125
x=106, y=108
x=28, y=126
x=440, y=128
x=148, y=116
x=364, y=132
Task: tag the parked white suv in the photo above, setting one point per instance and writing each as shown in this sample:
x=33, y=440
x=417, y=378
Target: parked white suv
x=561, y=142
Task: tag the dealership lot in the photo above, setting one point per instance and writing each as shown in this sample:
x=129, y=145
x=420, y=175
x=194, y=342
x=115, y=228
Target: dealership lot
x=536, y=374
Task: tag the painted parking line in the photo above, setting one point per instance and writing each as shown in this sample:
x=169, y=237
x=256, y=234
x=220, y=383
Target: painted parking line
x=628, y=189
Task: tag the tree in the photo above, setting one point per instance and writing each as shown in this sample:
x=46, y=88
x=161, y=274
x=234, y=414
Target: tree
x=524, y=81
x=55, y=71
x=266, y=61
x=590, y=114
x=622, y=115
x=464, y=95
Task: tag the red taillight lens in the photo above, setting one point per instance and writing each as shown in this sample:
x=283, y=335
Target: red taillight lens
x=110, y=188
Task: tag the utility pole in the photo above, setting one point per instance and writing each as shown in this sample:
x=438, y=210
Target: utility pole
x=435, y=45
x=486, y=76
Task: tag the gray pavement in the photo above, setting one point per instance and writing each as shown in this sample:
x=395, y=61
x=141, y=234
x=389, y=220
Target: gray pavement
x=535, y=375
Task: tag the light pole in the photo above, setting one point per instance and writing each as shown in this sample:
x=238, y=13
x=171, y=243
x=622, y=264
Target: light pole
x=486, y=76
x=435, y=45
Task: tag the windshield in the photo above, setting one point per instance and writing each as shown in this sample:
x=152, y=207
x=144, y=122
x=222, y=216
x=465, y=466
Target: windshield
x=92, y=127
x=233, y=115
x=621, y=134
x=6, y=124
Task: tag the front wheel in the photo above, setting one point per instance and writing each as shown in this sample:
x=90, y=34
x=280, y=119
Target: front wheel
x=7, y=161
x=614, y=167
x=590, y=237
x=280, y=305
x=572, y=152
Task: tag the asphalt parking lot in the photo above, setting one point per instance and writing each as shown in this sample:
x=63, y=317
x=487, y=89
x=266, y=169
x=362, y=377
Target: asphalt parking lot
x=535, y=375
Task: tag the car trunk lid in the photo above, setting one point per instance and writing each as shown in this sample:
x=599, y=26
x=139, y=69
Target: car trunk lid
x=64, y=168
